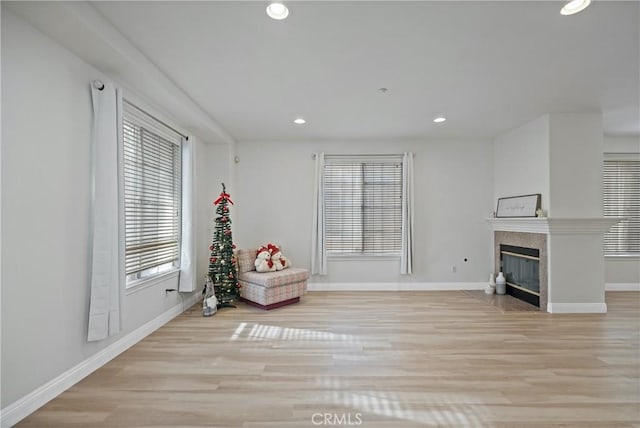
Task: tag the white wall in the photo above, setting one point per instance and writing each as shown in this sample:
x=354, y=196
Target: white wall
x=46, y=119
x=619, y=271
x=521, y=162
x=212, y=168
x=619, y=144
x=452, y=200
x=1, y=223
x=575, y=172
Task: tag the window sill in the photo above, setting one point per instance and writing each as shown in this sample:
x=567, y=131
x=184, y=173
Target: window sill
x=623, y=258
x=361, y=257
x=143, y=283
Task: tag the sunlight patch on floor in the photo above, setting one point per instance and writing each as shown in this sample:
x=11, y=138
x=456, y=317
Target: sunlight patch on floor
x=429, y=409
x=440, y=413
x=270, y=332
x=238, y=331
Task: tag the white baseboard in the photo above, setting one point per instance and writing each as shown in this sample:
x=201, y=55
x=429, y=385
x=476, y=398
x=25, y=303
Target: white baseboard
x=622, y=286
x=23, y=407
x=395, y=286
x=577, y=308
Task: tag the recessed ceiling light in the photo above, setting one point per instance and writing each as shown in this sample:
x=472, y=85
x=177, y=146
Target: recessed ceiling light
x=439, y=119
x=574, y=6
x=277, y=11
x=299, y=121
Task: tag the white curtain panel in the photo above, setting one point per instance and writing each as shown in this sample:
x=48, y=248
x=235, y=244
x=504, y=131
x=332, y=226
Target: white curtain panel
x=406, y=255
x=318, y=252
x=107, y=272
x=187, y=248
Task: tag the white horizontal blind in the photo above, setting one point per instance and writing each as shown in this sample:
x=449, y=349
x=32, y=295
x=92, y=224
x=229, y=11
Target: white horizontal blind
x=363, y=204
x=152, y=194
x=621, y=189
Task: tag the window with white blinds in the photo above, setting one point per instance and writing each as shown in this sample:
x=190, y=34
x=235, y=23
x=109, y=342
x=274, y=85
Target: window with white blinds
x=363, y=205
x=152, y=194
x=621, y=188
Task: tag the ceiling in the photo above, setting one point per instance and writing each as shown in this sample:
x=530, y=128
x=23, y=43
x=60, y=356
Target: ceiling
x=487, y=66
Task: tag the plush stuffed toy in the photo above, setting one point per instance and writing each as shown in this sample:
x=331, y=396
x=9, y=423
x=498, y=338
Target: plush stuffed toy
x=272, y=248
x=280, y=261
x=263, y=261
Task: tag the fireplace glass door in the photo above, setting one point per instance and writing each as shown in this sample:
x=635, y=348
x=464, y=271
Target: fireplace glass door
x=521, y=268
x=522, y=271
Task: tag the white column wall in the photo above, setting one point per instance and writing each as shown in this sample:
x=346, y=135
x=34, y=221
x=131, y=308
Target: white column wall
x=560, y=156
x=575, y=165
x=576, y=270
x=521, y=162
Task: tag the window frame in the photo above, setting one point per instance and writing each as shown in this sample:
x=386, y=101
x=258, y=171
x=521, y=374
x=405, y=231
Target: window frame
x=618, y=157
x=363, y=160
x=145, y=119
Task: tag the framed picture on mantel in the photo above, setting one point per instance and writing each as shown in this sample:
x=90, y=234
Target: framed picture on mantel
x=518, y=206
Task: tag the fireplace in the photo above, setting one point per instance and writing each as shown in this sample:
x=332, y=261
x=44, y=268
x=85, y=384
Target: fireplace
x=521, y=268
x=524, y=244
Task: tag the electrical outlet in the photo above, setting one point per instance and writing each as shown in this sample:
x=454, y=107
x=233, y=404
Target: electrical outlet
x=454, y=269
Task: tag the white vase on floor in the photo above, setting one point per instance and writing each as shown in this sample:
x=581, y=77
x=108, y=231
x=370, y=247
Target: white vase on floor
x=491, y=288
x=501, y=284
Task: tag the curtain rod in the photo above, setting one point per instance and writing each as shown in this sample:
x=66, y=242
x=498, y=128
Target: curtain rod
x=99, y=85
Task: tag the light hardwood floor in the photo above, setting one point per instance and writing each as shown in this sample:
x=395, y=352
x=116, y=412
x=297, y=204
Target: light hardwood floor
x=371, y=359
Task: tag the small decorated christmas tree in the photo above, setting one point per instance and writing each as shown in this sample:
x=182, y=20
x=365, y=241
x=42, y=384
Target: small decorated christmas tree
x=222, y=264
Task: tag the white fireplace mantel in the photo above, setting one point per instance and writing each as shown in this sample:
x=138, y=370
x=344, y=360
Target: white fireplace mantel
x=547, y=226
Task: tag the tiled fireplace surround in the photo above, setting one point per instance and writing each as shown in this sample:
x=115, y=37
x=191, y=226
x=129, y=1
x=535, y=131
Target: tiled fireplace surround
x=537, y=241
